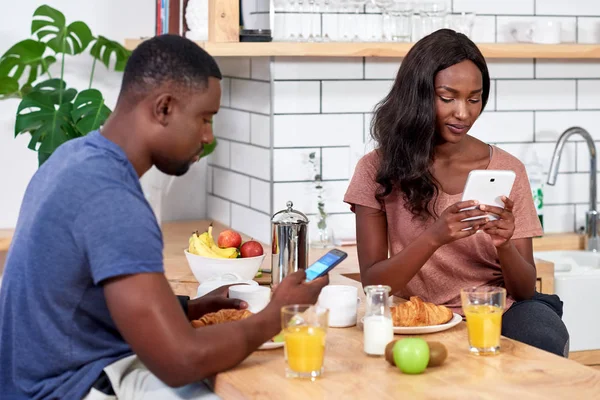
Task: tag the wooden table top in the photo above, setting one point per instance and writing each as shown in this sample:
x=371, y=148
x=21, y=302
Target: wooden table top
x=520, y=370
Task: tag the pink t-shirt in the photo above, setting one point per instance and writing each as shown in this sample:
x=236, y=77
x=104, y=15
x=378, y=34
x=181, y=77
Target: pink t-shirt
x=472, y=261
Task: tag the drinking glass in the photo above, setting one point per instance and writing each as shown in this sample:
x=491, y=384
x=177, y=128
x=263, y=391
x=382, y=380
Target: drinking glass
x=292, y=36
x=300, y=34
x=463, y=23
x=384, y=6
x=483, y=307
x=279, y=17
x=402, y=14
x=344, y=20
x=325, y=9
x=378, y=325
x=304, y=331
x=433, y=17
x=356, y=6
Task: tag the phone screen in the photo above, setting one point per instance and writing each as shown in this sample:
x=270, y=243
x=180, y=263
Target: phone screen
x=321, y=265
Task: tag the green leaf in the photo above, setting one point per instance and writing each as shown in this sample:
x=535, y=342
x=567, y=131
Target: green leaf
x=208, y=148
x=49, y=123
x=103, y=48
x=49, y=25
x=89, y=112
x=9, y=87
x=43, y=157
x=56, y=90
x=26, y=53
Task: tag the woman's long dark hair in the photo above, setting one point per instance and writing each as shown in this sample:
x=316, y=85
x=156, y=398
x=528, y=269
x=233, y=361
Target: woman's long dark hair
x=404, y=123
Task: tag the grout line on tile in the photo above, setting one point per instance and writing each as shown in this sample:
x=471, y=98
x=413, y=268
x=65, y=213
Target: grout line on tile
x=241, y=142
x=320, y=97
x=321, y=162
x=239, y=173
x=232, y=202
x=310, y=181
x=229, y=163
x=577, y=94
x=248, y=79
x=534, y=127
x=496, y=95
x=246, y=111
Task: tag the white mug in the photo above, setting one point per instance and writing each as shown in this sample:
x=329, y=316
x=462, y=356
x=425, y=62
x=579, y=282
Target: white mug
x=257, y=297
x=211, y=284
x=342, y=302
x=543, y=32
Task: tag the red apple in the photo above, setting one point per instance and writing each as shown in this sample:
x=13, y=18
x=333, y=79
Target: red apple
x=229, y=238
x=251, y=249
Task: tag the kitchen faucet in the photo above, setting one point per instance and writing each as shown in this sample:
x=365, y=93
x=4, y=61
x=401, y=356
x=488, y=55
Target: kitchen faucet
x=591, y=221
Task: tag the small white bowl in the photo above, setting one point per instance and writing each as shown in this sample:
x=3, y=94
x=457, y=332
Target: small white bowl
x=241, y=269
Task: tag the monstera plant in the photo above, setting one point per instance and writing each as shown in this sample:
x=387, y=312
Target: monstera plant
x=50, y=111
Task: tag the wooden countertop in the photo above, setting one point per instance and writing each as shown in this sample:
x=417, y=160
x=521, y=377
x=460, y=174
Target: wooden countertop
x=520, y=371
x=176, y=235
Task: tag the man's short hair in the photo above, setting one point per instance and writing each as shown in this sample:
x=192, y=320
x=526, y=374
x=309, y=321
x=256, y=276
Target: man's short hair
x=167, y=59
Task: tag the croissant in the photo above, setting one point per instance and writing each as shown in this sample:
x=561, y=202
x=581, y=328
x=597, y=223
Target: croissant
x=416, y=312
x=220, y=317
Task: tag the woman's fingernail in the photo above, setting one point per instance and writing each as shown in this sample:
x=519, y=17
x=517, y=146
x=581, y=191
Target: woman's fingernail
x=243, y=304
x=482, y=207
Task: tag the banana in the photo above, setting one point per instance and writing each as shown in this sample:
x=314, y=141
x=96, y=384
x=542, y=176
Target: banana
x=200, y=248
x=204, y=245
x=229, y=252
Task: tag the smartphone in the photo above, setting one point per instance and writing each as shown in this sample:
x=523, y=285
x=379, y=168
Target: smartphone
x=487, y=187
x=325, y=264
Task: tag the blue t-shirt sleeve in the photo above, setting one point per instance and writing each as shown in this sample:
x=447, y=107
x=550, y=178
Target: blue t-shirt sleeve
x=119, y=234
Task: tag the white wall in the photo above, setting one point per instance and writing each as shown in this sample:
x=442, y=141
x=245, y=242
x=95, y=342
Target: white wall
x=116, y=20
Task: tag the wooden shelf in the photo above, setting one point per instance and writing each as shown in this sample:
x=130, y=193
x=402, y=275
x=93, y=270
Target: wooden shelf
x=344, y=49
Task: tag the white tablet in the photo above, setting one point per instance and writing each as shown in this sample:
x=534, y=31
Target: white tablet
x=487, y=187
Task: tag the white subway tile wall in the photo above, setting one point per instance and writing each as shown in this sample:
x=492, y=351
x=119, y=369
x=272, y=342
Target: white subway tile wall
x=325, y=105
x=512, y=7
x=239, y=190
x=253, y=223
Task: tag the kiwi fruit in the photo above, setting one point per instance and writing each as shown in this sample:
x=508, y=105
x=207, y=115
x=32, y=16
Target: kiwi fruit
x=437, y=353
x=389, y=353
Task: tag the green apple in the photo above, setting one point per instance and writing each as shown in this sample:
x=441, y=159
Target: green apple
x=411, y=355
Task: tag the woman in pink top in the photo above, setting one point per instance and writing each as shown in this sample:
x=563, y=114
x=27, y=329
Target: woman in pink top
x=406, y=195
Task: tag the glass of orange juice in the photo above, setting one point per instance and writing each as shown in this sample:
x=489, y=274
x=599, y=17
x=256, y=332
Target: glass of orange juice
x=483, y=307
x=304, y=332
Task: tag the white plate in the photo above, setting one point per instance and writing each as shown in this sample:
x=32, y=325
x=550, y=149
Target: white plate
x=271, y=345
x=418, y=330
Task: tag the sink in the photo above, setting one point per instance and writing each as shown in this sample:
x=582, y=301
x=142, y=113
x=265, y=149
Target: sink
x=571, y=261
x=577, y=283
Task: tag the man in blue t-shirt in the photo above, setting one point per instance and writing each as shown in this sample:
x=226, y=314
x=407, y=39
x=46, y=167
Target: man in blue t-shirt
x=85, y=308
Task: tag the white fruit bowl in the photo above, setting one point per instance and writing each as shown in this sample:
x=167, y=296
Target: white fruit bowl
x=205, y=268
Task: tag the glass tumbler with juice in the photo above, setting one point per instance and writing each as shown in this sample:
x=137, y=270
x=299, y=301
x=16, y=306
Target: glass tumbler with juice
x=304, y=332
x=483, y=308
